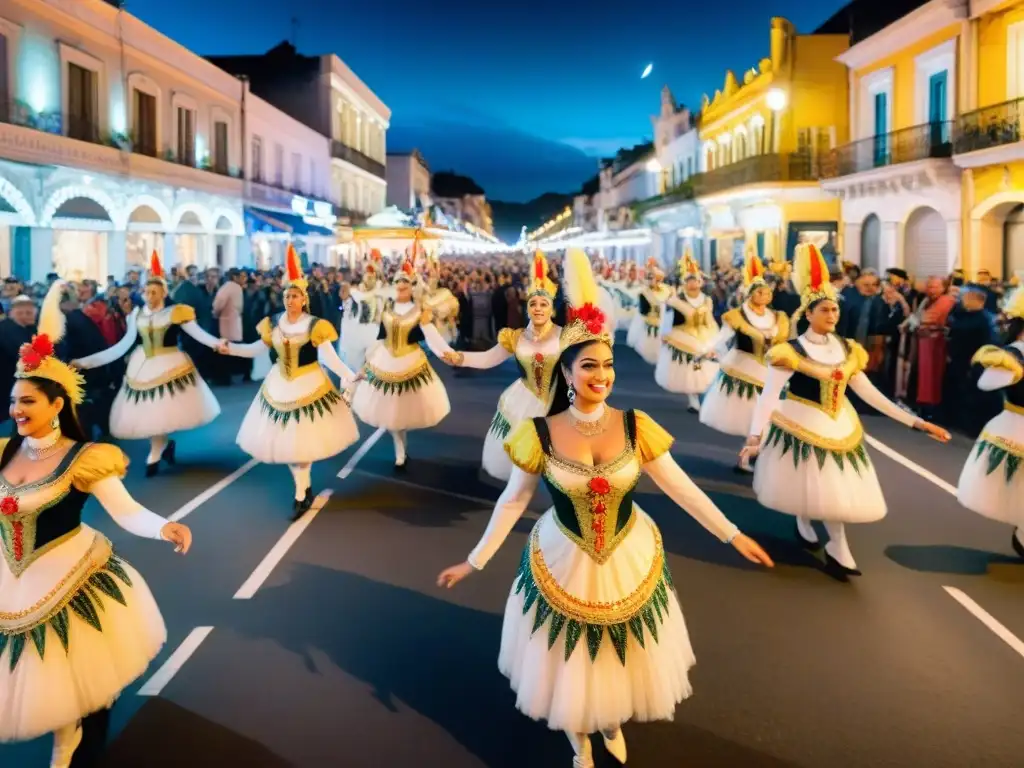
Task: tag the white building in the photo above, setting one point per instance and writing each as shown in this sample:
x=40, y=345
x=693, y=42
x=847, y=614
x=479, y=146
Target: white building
x=288, y=186
x=408, y=179
x=324, y=94
x=116, y=141
x=671, y=212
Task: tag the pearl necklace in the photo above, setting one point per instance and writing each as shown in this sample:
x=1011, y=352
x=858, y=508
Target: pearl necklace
x=536, y=338
x=40, y=448
x=589, y=424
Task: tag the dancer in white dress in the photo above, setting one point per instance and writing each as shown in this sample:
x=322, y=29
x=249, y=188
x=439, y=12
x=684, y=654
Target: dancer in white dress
x=162, y=391
x=362, y=314
x=536, y=352
x=298, y=417
x=401, y=391
x=645, y=329
x=753, y=328
x=628, y=282
x=441, y=302
x=77, y=623
x=593, y=634
x=992, y=481
x=812, y=463
x=687, y=329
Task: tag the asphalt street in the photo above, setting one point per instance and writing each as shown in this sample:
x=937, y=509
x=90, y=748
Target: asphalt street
x=345, y=654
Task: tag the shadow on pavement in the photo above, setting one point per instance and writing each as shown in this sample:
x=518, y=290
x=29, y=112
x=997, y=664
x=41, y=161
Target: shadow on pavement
x=171, y=736
x=945, y=558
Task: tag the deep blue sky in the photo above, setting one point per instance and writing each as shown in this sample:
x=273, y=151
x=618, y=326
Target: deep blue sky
x=522, y=96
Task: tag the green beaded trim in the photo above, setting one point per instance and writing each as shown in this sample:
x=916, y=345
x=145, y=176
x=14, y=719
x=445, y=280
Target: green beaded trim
x=500, y=426
x=652, y=330
x=421, y=379
x=172, y=387
x=802, y=451
x=998, y=455
x=651, y=614
x=742, y=389
x=87, y=604
x=680, y=357
x=311, y=411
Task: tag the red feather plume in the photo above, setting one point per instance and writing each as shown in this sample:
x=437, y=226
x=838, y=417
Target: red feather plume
x=538, y=268
x=156, y=269
x=817, y=279
x=292, y=264
x=375, y=255
x=755, y=269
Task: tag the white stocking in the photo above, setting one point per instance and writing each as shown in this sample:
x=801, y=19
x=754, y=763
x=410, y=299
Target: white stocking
x=301, y=476
x=838, y=546
x=399, y=439
x=694, y=401
x=581, y=747
x=803, y=524
x=65, y=742
x=156, y=448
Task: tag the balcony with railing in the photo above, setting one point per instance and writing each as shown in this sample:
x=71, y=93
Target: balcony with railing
x=760, y=169
x=998, y=125
x=356, y=158
x=919, y=142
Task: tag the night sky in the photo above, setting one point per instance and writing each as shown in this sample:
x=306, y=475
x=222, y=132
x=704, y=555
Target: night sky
x=524, y=96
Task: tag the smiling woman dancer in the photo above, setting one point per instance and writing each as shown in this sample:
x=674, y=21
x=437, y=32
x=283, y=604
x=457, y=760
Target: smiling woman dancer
x=615, y=647
x=992, y=481
x=298, y=417
x=644, y=333
x=77, y=623
x=401, y=391
x=813, y=464
x=162, y=390
x=536, y=353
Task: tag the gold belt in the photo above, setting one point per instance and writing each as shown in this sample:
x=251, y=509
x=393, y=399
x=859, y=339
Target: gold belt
x=175, y=373
x=290, y=374
x=841, y=445
x=158, y=351
x=1008, y=406
x=324, y=389
x=735, y=373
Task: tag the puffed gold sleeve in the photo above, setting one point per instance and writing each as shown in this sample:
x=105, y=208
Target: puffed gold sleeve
x=990, y=356
x=323, y=331
x=95, y=462
x=266, y=331
x=508, y=338
x=783, y=356
x=781, y=327
x=859, y=355
x=652, y=441
x=733, y=319
x=523, y=447
x=182, y=313
x=3, y=443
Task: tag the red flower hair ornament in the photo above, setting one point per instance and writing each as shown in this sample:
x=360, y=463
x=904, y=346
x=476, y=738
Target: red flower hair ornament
x=32, y=355
x=591, y=317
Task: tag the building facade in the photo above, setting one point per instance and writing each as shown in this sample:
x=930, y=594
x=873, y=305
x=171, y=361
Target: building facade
x=114, y=141
x=471, y=209
x=324, y=94
x=900, y=191
x=408, y=179
x=763, y=137
x=987, y=145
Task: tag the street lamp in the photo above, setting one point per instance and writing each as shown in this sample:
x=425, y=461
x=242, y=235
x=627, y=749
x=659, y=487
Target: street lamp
x=653, y=165
x=776, y=99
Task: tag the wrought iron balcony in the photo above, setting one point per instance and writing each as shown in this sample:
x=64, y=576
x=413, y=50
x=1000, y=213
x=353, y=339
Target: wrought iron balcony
x=15, y=112
x=919, y=142
x=759, y=169
x=680, y=193
x=356, y=158
x=989, y=127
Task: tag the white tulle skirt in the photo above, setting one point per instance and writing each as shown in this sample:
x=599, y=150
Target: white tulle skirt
x=400, y=393
x=728, y=407
x=846, y=493
x=585, y=695
x=44, y=694
x=161, y=395
x=517, y=403
x=992, y=481
x=355, y=339
x=677, y=372
x=644, y=339
x=298, y=421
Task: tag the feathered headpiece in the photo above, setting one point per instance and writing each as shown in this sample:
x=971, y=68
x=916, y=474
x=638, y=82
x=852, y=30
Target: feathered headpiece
x=373, y=266
x=653, y=270
x=587, y=320
x=540, y=285
x=1015, y=304
x=753, y=270
x=406, y=273
x=37, y=360
x=811, y=276
x=293, y=271
x=688, y=268
x=156, y=271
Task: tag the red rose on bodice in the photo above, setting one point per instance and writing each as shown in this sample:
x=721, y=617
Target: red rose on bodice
x=9, y=506
x=538, y=358
x=837, y=375
x=599, y=486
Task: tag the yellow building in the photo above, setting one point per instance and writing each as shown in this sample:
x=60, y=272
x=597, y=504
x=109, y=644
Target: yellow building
x=763, y=137
x=988, y=142
x=901, y=192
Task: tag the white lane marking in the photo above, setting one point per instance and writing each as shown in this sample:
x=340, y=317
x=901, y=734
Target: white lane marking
x=987, y=619
x=363, y=450
x=182, y=653
x=280, y=549
x=212, y=491
x=917, y=469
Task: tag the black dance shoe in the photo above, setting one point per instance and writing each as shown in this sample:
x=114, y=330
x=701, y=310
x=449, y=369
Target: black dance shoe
x=301, y=507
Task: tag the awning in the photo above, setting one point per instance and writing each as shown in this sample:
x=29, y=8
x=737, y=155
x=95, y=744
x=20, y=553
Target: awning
x=262, y=221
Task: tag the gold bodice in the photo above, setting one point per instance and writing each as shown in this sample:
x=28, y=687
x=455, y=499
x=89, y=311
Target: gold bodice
x=751, y=339
x=297, y=350
x=158, y=332
x=656, y=298
x=819, y=385
x=699, y=322
x=398, y=328
x=537, y=359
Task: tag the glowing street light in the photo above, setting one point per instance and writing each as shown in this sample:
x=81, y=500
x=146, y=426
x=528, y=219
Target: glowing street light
x=653, y=165
x=776, y=99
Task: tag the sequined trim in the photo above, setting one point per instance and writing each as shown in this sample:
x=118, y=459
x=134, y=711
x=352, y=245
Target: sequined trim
x=324, y=389
x=396, y=378
x=681, y=346
x=733, y=382
x=181, y=372
x=398, y=327
x=1001, y=453
x=803, y=450
x=737, y=320
x=848, y=443
x=401, y=383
